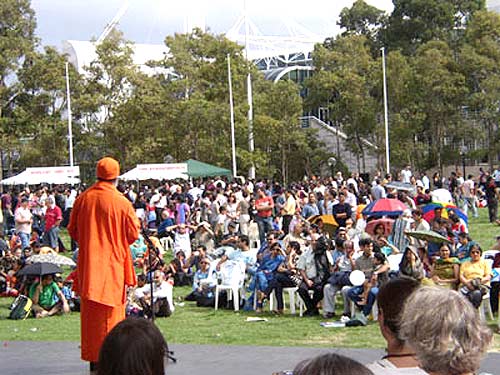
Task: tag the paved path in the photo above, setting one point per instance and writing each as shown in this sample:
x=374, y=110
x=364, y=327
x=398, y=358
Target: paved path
x=63, y=358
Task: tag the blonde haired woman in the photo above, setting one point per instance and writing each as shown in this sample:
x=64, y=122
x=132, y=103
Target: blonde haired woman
x=445, y=331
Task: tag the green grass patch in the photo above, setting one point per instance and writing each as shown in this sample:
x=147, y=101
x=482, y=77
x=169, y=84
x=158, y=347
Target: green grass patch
x=193, y=325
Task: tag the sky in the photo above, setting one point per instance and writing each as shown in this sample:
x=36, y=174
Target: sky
x=149, y=21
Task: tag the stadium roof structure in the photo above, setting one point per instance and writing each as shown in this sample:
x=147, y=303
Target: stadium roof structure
x=267, y=52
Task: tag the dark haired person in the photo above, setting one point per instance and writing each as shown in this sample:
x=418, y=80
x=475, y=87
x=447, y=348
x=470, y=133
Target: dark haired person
x=342, y=210
x=331, y=364
x=368, y=265
x=104, y=224
x=44, y=294
x=400, y=358
x=314, y=268
x=134, y=347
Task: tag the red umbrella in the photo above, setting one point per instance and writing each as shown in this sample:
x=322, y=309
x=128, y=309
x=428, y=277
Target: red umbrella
x=387, y=223
x=384, y=207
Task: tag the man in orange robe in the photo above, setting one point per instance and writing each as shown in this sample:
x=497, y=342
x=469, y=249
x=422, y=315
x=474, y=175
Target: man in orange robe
x=104, y=224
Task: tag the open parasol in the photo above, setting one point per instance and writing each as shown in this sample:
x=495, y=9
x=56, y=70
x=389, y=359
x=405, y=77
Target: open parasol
x=428, y=235
x=385, y=221
x=329, y=226
x=39, y=269
x=385, y=207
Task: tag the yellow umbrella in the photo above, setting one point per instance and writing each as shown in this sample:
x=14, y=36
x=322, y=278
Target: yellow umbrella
x=327, y=223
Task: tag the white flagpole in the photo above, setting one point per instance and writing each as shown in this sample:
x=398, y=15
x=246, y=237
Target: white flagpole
x=70, y=128
x=251, y=146
x=231, y=109
x=386, y=116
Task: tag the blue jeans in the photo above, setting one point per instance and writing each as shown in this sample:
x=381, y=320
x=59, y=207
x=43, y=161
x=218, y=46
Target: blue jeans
x=51, y=237
x=265, y=225
x=25, y=239
x=354, y=294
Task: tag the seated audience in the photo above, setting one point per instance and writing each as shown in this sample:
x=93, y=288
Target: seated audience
x=47, y=298
x=445, y=270
x=411, y=265
x=162, y=304
x=475, y=276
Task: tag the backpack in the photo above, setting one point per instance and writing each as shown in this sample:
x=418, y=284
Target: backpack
x=20, y=308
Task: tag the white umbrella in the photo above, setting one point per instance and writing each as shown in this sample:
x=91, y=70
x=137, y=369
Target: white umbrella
x=51, y=258
x=441, y=195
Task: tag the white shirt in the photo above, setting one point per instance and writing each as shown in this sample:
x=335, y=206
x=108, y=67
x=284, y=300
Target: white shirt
x=23, y=214
x=405, y=175
x=386, y=367
x=426, y=182
x=164, y=290
x=182, y=242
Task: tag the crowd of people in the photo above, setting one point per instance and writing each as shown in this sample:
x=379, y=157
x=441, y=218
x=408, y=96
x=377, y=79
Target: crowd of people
x=311, y=235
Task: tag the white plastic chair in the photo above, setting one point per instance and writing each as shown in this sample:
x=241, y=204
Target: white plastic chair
x=232, y=275
x=485, y=308
x=291, y=298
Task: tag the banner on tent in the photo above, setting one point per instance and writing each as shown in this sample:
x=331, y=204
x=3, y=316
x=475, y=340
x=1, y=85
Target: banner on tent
x=53, y=171
x=174, y=167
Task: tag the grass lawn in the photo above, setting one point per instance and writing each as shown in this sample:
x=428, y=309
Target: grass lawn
x=193, y=325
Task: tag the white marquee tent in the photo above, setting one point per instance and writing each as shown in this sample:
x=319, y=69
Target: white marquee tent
x=156, y=172
x=47, y=175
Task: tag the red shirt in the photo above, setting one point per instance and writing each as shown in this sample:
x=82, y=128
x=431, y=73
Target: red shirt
x=263, y=202
x=52, y=215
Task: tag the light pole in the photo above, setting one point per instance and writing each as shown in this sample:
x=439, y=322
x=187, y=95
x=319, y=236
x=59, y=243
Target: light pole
x=332, y=163
x=463, y=152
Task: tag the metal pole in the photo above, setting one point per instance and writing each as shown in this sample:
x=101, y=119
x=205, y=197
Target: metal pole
x=386, y=116
x=251, y=145
x=231, y=109
x=70, y=128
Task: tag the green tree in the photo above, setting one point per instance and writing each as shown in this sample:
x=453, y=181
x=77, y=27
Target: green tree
x=440, y=93
x=345, y=80
x=362, y=19
x=40, y=109
x=416, y=22
x=17, y=39
x=480, y=62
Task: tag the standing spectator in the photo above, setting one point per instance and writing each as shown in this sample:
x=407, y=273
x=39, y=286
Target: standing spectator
x=23, y=219
x=491, y=198
x=68, y=206
x=264, y=205
x=468, y=190
x=342, y=210
x=288, y=210
x=378, y=190
x=311, y=207
x=53, y=218
x=406, y=174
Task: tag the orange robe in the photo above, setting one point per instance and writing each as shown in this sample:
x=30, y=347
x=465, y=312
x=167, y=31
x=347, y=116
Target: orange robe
x=104, y=224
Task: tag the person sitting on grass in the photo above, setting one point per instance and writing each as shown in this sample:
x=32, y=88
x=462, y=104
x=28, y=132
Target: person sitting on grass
x=179, y=269
x=163, y=304
x=47, y=298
